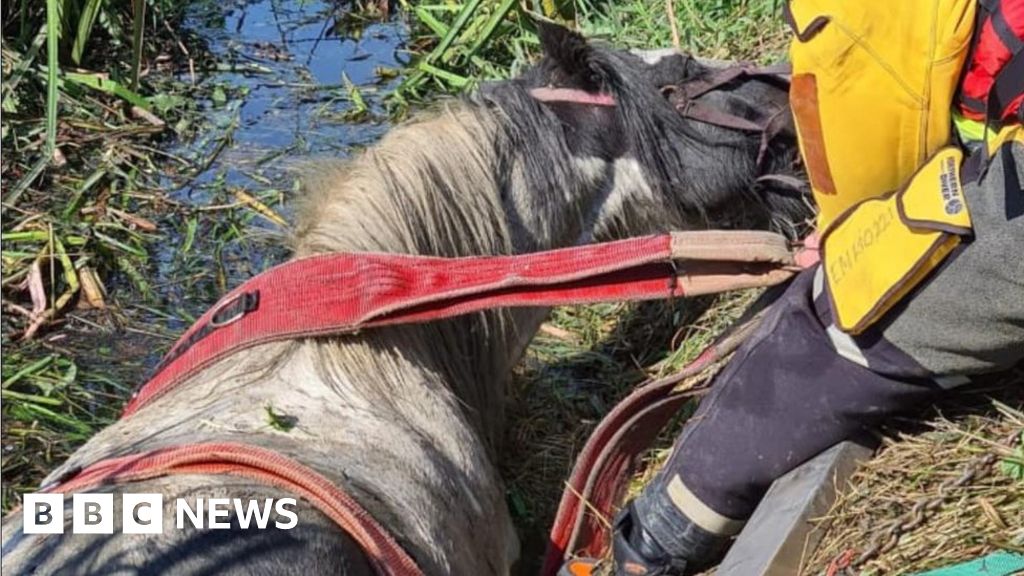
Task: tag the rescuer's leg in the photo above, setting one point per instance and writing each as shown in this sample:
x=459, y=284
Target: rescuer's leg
x=800, y=385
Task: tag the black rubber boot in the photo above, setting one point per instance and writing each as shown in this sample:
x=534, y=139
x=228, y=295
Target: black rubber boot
x=656, y=530
x=636, y=552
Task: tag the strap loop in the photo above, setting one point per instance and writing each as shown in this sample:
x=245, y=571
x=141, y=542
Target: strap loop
x=231, y=310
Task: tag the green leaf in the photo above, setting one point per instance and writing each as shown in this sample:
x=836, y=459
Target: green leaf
x=1013, y=466
x=85, y=24
x=219, y=97
x=435, y=25
x=496, y=19
x=28, y=370
x=108, y=86
x=464, y=18
x=451, y=78
x=164, y=103
x=53, y=10
x=278, y=421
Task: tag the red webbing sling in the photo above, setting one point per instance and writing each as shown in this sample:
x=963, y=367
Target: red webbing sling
x=335, y=294
x=266, y=467
x=608, y=459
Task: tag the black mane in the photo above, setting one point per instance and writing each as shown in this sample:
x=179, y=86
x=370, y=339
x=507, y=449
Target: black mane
x=707, y=170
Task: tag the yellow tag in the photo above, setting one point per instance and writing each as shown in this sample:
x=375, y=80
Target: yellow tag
x=879, y=250
x=1011, y=133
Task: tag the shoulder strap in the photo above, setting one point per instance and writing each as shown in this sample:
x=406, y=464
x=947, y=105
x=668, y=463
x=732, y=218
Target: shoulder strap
x=1008, y=87
x=993, y=105
x=1002, y=27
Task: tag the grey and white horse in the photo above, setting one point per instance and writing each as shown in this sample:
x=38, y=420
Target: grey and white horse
x=406, y=419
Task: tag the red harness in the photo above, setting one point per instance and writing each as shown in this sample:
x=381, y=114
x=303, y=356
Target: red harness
x=264, y=466
x=337, y=294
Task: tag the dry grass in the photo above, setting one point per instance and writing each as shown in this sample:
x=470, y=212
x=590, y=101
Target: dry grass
x=977, y=432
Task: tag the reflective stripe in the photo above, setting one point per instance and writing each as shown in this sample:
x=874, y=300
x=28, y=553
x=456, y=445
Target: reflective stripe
x=841, y=341
x=948, y=382
x=819, y=282
x=971, y=130
x=699, y=512
x=845, y=346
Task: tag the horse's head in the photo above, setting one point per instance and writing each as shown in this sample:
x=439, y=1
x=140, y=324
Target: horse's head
x=627, y=109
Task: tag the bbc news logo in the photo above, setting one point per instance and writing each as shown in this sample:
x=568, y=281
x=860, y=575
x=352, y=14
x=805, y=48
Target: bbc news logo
x=144, y=513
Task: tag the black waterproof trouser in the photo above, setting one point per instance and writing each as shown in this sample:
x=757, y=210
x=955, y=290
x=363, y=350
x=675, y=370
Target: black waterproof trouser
x=799, y=385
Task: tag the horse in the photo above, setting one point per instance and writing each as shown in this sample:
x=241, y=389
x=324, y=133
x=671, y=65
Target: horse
x=582, y=147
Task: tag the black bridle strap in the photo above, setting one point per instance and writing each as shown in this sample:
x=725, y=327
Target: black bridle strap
x=723, y=76
x=711, y=115
x=685, y=98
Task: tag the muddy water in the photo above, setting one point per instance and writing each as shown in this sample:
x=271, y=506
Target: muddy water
x=278, y=98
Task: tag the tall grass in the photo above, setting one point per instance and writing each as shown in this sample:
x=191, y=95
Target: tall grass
x=467, y=42
x=83, y=29
x=76, y=32
x=53, y=29
x=460, y=43
x=76, y=175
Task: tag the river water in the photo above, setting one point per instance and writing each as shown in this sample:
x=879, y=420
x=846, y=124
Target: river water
x=276, y=99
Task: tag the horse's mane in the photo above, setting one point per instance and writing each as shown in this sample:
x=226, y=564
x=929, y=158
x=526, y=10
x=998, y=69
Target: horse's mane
x=473, y=176
x=436, y=184
x=410, y=193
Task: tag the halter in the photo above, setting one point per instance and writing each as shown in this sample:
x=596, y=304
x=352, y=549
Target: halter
x=685, y=98
x=573, y=95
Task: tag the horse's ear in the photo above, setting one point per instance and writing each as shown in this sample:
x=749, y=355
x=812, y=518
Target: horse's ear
x=565, y=48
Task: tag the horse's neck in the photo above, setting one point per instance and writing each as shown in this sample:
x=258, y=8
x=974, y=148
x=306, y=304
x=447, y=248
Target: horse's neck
x=455, y=185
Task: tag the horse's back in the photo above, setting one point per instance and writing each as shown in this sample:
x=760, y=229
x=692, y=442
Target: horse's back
x=314, y=546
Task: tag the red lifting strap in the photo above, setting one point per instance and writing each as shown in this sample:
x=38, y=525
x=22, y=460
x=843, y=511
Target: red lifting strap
x=613, y=449
x=264, y=466
x=609, y=457
x=335, y=294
